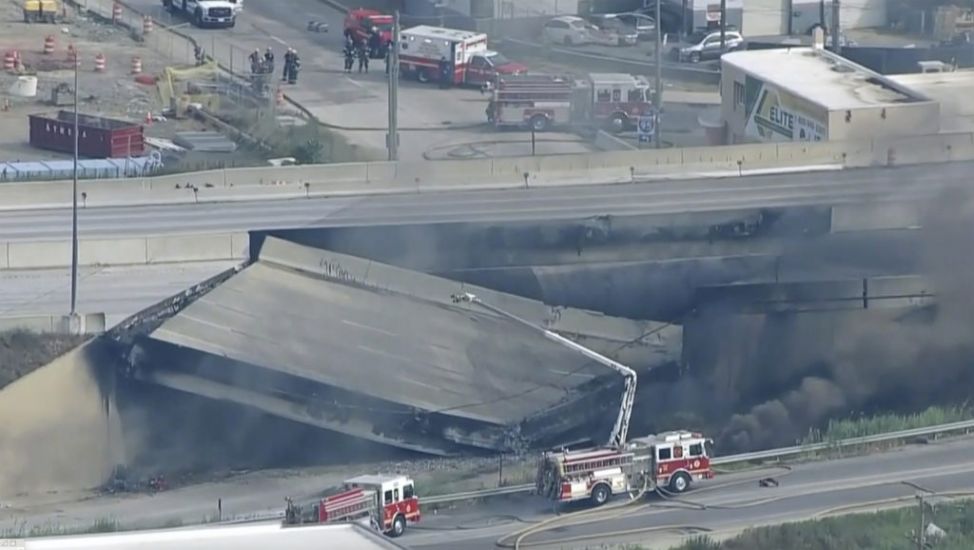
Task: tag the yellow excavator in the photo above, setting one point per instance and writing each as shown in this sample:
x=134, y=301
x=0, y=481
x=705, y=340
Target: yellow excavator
x=41, y=11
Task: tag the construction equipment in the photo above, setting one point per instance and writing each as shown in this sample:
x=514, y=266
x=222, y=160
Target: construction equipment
x=384, y=502
x=41, y=11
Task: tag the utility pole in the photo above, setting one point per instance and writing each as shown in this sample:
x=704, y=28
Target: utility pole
x=723, y=26
x=392, y=138
x=821, y=14
x=658, y=99
x=836, y=30
x=921, y=532
x=74, y=202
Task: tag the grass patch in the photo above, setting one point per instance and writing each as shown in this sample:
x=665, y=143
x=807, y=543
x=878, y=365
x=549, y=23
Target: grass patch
x=863, y=426
x=22, y=351
x=888, y=530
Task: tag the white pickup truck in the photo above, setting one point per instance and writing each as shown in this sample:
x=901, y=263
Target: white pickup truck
x=207, y=13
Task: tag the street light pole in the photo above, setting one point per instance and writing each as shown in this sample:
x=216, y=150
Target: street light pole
x=658, y=100
x=74, y=202
x=392, y=138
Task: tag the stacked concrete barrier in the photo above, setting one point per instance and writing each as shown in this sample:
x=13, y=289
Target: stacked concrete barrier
x=125, y=251
x=91, y=323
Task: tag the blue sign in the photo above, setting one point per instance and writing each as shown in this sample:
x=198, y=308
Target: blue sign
x=646, y=127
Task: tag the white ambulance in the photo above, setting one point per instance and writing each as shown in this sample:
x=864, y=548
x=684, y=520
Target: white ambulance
x=425, y=51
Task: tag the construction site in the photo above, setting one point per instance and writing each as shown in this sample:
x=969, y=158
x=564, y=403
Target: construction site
x=194, y=114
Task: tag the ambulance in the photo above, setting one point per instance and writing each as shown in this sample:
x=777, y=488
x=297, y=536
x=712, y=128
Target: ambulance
x=468, y=61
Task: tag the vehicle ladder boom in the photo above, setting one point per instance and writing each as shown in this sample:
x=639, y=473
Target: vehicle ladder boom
x=620, y=431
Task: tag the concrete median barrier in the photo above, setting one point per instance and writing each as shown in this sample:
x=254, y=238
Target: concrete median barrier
x=90, y=323
x=125, y=251
x=363, y=178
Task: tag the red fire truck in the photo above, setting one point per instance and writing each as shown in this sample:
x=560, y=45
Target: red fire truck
x=386, y=502
x=614, y=101
x=360, y=23
x=469, y=61
x=671, y=461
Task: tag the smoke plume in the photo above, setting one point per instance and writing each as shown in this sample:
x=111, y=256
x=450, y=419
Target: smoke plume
x=901, y=362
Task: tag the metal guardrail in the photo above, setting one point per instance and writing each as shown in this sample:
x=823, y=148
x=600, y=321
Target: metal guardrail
x=743, y=457
x=717, y=461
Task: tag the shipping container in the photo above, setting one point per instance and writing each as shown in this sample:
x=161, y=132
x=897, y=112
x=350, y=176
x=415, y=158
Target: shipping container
x=99, y=137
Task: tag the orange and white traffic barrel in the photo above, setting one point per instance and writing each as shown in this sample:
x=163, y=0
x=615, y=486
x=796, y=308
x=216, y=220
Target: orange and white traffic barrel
x=136, y=65
x=49, y=44
x=280, y=97
x=100, y=63
x=147, y=25
x=116, y=13
x=10, y=60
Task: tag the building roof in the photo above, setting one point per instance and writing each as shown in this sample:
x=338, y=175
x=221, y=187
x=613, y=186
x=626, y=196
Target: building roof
x=347, y=536
x=953, y=90
x=822, y=78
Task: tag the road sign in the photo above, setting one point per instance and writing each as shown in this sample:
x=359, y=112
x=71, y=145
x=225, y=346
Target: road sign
x=646, y=127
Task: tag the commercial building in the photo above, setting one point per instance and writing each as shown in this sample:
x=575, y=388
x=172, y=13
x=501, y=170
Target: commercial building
x=771, y=17
x=811, y=94
x=953, y=90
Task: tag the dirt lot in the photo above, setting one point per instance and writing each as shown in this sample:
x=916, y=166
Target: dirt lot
x=21, y=352
x=113, y=93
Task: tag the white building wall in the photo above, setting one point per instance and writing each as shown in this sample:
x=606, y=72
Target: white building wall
x=859, y=14
x=765, y=17
x=507, y=9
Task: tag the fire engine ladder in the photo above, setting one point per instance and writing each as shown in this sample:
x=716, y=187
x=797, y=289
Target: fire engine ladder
x=620, y=431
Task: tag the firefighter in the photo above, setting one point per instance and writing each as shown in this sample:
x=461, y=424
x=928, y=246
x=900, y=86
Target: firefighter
x=349, y=52
x=288, y=60
x=375, y=43
x=199, y=55
x=292, y=74
x=269, y=60
x=446, y=76
x=363, y=57
x=255, y=60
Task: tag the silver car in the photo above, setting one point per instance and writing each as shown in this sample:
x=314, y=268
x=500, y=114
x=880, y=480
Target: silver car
x=611, y=31
x=644, y=25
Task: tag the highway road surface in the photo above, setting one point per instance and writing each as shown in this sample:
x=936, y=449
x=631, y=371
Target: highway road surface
x=116, y=291
x=905, y=183
x=730, y=502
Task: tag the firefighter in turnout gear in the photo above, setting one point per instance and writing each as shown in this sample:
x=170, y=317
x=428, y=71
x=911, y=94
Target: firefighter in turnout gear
x=349, y=53
x=255, y=61
x=269, y=61
x=363, y=58
x=288, y=58
x=293, y=68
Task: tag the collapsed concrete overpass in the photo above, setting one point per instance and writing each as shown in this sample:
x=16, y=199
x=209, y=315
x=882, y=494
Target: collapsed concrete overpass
x=378, y=352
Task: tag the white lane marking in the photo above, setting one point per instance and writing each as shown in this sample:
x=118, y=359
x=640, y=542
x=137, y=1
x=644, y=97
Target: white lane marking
x=278, y=40
x=355, y=82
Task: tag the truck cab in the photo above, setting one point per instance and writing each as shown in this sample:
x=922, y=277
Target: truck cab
x=395, y=497
x=207, y=13
x=360, y=23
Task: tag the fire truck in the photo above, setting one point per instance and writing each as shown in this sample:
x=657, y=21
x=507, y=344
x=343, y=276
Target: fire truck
x=468, y=60
x=614, y=101
x=360, y=23
x=670, y=461
x=385, y=502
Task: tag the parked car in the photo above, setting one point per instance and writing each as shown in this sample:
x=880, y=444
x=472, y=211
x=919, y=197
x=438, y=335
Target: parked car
x=568, y=30
x=704, y=45
x=611, y=31
x=645, y=25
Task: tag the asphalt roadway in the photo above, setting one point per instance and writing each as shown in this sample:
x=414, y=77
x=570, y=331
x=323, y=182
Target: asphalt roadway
x=728, y=503
x=115, y=291
x=715, y=194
